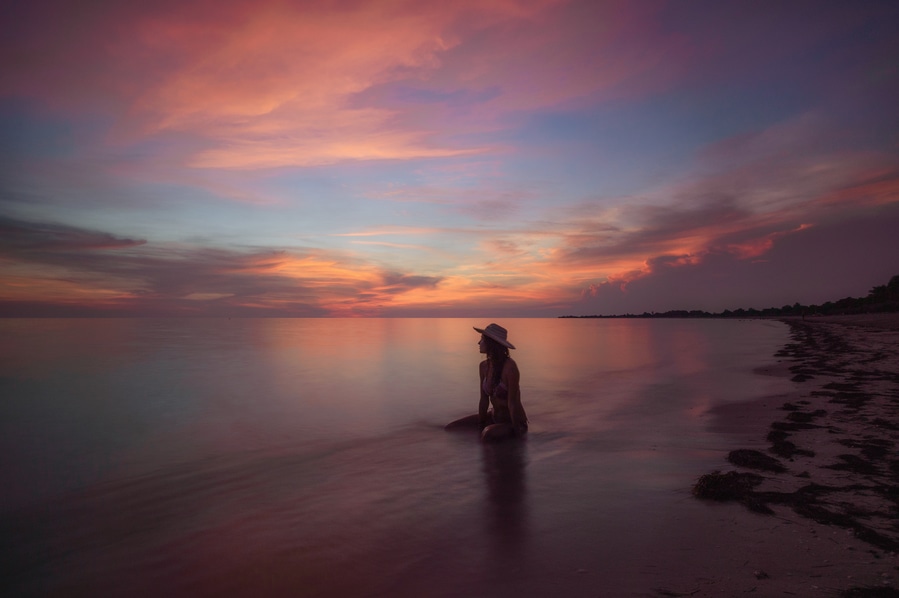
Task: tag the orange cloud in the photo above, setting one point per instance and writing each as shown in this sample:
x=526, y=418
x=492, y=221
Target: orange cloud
x=53, y=266
x=44, y=286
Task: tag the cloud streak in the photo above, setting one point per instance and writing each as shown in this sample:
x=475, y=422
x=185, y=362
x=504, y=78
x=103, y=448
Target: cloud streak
x=47, y=266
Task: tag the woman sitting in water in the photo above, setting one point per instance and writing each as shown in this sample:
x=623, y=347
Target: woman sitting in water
x=499, y=388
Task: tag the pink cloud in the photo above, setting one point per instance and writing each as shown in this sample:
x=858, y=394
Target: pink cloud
x=267, y=84
x=283, y=83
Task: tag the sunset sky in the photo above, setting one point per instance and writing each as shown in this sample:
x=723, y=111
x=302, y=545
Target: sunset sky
x=463, y=158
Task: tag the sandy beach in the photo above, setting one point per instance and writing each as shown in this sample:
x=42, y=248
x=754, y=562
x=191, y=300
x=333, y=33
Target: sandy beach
x=815, y=509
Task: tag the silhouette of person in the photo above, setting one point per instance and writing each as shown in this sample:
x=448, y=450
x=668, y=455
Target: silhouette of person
x=500, y=412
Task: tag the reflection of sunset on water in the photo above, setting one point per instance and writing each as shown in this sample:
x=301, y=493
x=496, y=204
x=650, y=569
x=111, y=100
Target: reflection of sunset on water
x=295, y=447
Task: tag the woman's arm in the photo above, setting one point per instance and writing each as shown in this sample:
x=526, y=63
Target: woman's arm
x=484, y=402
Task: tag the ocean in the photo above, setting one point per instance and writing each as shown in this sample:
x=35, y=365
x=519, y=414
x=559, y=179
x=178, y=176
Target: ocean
x=307, y=457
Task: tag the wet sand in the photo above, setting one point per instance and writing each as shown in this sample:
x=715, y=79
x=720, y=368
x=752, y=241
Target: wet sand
x=818, y=513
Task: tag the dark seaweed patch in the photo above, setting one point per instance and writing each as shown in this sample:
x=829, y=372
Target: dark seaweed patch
x=755, y=460
x=872, y=448
x=805, y=417
x=855, y=464
x=793, y=426
x=870, y=592
x=732, y=485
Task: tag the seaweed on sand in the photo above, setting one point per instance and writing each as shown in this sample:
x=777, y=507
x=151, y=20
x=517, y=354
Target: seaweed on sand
x=755, y=460
x=732, y=485
x=870, y=592
x=855, y=464
x=782, y=447
x=804, y=417
x=741, y=487
x=864, y=418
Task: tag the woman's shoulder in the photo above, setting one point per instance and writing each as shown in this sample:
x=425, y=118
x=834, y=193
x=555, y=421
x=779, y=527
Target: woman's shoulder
x=510, y=365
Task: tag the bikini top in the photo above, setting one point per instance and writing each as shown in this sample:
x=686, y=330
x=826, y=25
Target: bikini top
x=497, y=392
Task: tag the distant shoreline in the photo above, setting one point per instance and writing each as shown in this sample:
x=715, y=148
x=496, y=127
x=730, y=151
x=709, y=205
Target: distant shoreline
x=887, y=320
x=882, y=299
x=871, y=316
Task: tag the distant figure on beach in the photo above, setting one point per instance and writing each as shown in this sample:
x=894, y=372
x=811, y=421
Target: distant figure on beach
x=500, y=412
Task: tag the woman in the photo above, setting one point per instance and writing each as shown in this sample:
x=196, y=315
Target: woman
x=499, y=389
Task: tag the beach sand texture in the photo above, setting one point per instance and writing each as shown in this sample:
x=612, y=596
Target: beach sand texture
x=822, y=483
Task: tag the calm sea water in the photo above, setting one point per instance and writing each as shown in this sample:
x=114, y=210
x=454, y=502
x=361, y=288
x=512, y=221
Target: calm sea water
x=307, y=457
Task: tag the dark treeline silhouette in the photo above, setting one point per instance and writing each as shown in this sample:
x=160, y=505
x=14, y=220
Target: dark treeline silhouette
x=883, y=298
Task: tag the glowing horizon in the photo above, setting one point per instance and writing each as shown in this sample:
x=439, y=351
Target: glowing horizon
x=508, y=157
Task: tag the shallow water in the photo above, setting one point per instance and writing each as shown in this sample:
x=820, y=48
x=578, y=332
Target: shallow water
x=307, y=456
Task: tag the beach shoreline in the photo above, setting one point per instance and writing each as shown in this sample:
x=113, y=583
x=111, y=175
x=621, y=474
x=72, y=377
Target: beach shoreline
x=826, y=466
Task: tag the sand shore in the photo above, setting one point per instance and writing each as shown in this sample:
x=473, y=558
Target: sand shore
x=820, y=487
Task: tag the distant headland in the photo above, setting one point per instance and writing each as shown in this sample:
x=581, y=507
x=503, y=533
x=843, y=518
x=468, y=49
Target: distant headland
x=883, y=298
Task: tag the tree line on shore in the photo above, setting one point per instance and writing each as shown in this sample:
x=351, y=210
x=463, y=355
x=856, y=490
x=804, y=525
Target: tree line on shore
x=882, y=298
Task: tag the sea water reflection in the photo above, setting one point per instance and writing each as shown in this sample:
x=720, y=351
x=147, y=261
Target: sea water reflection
x=202, y=456
x=504, y=467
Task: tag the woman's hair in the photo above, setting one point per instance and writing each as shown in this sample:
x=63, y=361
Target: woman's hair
x=498, y=354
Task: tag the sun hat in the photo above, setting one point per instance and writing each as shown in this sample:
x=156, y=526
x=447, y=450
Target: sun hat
x=497, y=333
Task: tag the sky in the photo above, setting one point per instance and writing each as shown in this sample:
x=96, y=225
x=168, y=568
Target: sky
x=473, y=158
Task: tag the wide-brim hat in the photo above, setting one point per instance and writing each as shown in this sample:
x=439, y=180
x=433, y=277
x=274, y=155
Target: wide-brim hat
x=497, y=333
